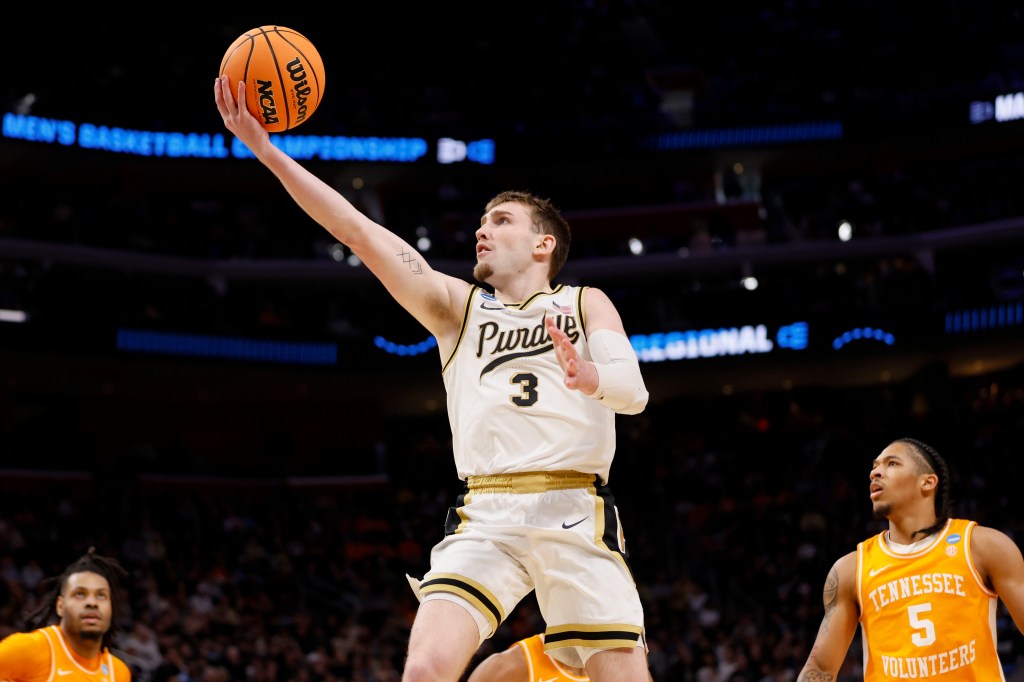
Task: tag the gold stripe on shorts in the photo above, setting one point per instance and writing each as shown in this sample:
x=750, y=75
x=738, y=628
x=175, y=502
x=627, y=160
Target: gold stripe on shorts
x=530, y=482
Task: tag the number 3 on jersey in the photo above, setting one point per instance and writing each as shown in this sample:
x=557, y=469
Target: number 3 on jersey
x=527, y=383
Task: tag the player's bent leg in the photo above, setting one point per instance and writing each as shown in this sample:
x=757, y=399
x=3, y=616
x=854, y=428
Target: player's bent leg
x=443, y=640
x=619, y=665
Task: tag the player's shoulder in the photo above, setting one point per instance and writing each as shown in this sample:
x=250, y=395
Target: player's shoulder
x=33, y=638
x=844, y=570
x=988, y=538
x=847, y=562
x=25, y=651
x=122, y=673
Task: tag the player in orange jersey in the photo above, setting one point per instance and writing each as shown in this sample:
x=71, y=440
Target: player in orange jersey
x=525, y=661
x=925, y=592
x=85, y=599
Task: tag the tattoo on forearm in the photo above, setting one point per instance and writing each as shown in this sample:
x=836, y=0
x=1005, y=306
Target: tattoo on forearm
x=409, y=258
x=830, y=597
x=815, y=676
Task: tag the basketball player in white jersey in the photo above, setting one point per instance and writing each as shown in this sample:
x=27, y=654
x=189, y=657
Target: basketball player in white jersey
x=535, y=373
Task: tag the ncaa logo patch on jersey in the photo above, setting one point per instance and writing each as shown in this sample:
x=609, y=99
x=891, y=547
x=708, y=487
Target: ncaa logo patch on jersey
x=953, y=538
x=490, y=298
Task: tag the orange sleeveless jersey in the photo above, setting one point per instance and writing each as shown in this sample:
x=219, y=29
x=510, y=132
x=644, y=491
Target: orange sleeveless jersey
x=543, y=668
x=43, y=656
x=927, y=614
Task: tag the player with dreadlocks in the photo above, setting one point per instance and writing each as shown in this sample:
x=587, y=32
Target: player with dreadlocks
x=73, y=628
x=925, y=592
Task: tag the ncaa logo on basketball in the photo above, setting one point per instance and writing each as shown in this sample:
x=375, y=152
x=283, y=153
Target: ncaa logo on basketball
x=268, y=106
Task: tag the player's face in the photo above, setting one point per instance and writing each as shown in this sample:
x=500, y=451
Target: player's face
x=895, y=480
x=505, y=242
x=85, y=606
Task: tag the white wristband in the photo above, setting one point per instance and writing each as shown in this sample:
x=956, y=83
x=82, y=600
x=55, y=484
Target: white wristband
x=620, y=385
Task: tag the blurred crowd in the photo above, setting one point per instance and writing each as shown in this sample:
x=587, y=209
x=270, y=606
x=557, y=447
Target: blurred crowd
x=734, y=508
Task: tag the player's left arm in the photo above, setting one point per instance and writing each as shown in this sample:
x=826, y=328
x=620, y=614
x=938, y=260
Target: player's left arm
x=1001, y=564
x=613, y=378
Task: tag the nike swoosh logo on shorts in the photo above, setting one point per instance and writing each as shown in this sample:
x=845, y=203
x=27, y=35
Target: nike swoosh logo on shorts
x=875, y=571
x=62, y=673
x=570, y=525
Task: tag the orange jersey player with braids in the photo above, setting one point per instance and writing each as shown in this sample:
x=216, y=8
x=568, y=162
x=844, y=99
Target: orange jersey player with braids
x=85, y=601
x=925, y=592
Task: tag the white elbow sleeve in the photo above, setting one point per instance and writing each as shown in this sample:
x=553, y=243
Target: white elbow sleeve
x=620, y=384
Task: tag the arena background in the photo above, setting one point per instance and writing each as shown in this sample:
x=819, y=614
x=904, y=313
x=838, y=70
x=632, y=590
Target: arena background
x=196, y=379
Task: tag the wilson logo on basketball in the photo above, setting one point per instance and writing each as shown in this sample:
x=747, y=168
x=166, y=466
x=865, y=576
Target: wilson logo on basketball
x=302, y=90
x=268, y=107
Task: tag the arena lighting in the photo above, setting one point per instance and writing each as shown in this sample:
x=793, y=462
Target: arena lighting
x=405, y=349
x=748, y=281
x=232, y=348
x=970, y=320
x=1006, y=107
x=863, y=333
x=676, y=345
x=694, y=344
x=423, y=242
x=10, y=315
x=845, y=231
x=636, y=246
x=218, y=146
x=757, y=135
x=453, y=151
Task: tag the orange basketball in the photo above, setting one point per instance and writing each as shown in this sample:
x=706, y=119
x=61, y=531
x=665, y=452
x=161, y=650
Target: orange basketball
x=283, y=74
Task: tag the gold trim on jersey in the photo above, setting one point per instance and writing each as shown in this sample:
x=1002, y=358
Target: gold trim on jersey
x=530, y=482
x=579, y=309
x=470, y=590
x=462, y=327
x=592, y=636
x=533, y=297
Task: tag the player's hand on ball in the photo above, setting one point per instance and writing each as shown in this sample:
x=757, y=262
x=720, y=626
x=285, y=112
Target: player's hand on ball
x=237, y=118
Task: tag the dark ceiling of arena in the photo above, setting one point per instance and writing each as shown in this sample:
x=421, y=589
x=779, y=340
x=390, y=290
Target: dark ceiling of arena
x=536, y=69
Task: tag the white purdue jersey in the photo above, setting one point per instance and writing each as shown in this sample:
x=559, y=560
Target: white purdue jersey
x=509, y=408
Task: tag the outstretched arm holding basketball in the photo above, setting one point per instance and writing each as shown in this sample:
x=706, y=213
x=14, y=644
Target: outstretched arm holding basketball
x=433, y=298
